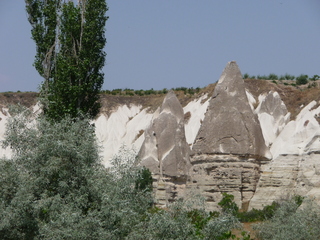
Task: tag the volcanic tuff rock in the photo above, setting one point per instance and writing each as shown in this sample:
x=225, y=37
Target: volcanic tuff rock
x=229, y=147
x=287, y=176
x=230, y=126
x=165, y=150
x=273, y=116
x=229, y=154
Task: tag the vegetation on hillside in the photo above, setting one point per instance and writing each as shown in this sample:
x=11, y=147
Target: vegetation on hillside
x=286, y=79
x=55, y=187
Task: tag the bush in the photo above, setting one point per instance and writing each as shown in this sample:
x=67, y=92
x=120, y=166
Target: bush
x=245, y=76
x=302, y=79
x=292, y=222
x=228, y=205
x=315, y=78
x=272, y=76
x=289, y=77
x=54, y=187
x=264, y=77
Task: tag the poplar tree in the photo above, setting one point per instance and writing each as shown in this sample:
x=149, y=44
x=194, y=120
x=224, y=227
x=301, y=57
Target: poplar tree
x=69, y=37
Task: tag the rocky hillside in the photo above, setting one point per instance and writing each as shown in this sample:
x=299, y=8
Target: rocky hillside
x=255, y=139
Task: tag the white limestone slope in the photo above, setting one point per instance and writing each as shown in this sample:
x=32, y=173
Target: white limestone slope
x=300, y=136
x=273, y=116
x=4, y=115
x=122, y=127
x=197, y=109
x=251, y=99
x=125, y=126
x=295, y=168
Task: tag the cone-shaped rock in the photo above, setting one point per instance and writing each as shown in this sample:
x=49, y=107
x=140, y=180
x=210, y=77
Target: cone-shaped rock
x=165, y=150
x=230, y=126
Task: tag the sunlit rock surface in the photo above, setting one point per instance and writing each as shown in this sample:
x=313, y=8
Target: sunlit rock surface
x=165, y=150
x=273, y=116
x=229, y=147
x=243, y=142
x=230, y=126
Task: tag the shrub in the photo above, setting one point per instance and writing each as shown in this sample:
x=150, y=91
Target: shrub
x=292, y=222
x=54, y=187
x=228, y=205
x=272, y=76
x=144, y=180
x=315, y=78
x=302, y=79
x=289, y=77
x=262, y=77
x=245, y=76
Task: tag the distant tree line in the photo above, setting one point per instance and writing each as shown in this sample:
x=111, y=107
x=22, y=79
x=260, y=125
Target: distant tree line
x=132, y=92
x=299, y=80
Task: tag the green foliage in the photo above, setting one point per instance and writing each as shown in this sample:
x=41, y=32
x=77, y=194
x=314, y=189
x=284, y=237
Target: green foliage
x=144, y=181
x=292, y=222
x=131, y=92
x=315, y=78
x=273, y=76
x=262, y=77
x=245, y=76
x=181, y=221
x=228, y=205
x=302, y=79
x=258, y=215
x=70, y=38
x=199, y=219
x=54, y=187
x=289, y=77
x=282, y=78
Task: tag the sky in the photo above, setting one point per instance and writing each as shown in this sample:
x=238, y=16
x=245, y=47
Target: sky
x=179, y=43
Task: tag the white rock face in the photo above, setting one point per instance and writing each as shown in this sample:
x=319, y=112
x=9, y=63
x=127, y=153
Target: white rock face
x=299, y=136
x=124, y=126
x=295, y=168
x=4, y=115
x=251, y=99
x=197, y=109
x=273, y=116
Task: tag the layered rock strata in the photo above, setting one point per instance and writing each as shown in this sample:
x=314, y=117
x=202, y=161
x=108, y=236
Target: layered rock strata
x=165, y=151
x=286, y=177
x=295, y=170
x=229, y=147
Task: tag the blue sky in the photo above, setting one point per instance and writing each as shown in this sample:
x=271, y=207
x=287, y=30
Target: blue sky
x=172, y=43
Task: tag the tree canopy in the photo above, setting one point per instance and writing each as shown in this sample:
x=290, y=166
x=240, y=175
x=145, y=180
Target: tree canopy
x=69, y=37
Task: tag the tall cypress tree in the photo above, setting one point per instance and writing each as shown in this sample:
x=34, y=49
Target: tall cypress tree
x=70, y=37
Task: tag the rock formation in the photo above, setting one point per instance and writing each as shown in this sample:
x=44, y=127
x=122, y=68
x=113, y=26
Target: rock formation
x=273, y=116
x=230, y=126
x=165, y=150
x=233, y=135
x=229, y=147
x=295, y=170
